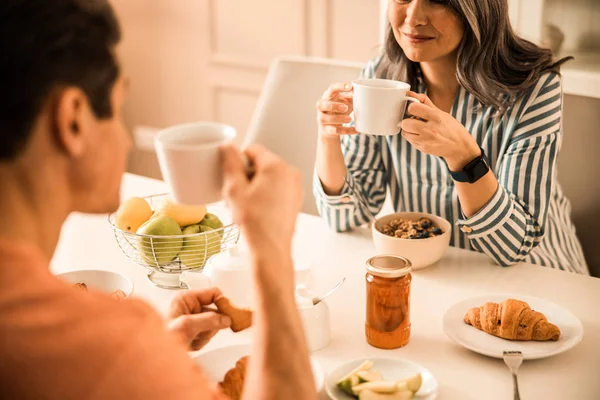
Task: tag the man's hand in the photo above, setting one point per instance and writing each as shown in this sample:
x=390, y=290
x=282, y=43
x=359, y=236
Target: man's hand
x=190, y=320
x=267, y=205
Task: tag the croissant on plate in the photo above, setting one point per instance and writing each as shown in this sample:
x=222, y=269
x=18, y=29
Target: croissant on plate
x=513, y=320
x=233, y=382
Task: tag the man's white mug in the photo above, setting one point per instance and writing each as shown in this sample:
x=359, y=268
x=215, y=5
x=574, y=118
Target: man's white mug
x=379, y=105
x=190, y=161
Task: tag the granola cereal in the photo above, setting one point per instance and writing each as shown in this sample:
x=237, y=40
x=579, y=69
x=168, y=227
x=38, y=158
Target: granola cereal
x=411, y=229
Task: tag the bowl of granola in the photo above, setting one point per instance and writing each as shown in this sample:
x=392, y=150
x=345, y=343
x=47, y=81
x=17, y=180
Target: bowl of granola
x=420, y=237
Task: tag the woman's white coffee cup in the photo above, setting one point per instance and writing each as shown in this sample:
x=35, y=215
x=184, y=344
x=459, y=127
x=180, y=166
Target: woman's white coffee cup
x=379, y=105
x=190, y=161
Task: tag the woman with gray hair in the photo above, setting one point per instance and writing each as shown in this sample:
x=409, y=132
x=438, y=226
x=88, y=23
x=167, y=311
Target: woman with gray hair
x=481, y=147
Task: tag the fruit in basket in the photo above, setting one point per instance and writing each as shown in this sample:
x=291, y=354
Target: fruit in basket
x=212, y=221
x=132, y=214
x=160, y=251
x=184, y=215
x=199, y=248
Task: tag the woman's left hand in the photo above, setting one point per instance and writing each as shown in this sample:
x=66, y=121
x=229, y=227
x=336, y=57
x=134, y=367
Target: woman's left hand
x=437, y=133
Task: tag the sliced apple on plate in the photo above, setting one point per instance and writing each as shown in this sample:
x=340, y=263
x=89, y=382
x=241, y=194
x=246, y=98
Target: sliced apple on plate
x=378, y=387
x=365, y=383
x=371, y=395
x=369, y=376
x=414, y=383
x=351, y=379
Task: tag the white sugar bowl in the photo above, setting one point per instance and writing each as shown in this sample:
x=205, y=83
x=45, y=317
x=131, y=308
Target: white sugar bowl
x=315, y=318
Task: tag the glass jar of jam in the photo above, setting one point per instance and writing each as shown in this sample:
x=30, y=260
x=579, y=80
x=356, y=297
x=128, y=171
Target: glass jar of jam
x=388, y=301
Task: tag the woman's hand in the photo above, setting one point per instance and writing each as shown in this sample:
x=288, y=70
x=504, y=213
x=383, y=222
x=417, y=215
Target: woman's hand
x=437, y=133
x=190, y=320
x=333, y=111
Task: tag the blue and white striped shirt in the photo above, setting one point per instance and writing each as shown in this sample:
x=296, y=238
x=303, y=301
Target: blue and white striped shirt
x=527, y=219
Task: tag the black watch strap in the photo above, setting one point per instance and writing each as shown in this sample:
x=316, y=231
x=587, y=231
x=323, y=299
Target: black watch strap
x=473, y=171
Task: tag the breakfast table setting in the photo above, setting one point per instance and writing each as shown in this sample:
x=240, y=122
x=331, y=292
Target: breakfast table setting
x=455, y=360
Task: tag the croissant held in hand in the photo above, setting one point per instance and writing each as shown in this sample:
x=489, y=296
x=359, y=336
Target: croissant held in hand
x=512, y=320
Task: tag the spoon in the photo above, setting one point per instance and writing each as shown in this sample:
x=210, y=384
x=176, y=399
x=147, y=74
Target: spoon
x=317, y=300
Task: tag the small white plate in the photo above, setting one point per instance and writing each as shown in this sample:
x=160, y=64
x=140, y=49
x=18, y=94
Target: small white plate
x=217, y=362
x=390, y=368
x=571, y=329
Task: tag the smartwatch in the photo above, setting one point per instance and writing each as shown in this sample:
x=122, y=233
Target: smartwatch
x=473, y=171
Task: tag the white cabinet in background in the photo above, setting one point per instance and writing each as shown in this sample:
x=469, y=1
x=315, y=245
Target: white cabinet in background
x=578, y=20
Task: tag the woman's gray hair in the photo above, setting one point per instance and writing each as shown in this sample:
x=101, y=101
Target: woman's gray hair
x=494, y=63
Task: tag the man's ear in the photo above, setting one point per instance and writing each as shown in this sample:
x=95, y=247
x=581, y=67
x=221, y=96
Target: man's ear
x=71, y=121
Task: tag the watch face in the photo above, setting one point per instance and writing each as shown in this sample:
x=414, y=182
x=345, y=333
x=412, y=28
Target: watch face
x=478, y=170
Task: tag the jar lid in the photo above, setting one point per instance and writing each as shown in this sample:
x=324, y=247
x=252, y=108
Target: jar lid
x=388, y=266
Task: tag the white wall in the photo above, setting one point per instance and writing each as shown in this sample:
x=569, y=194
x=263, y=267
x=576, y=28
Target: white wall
x=579, y=169
x=193, y=60
x=164, y=64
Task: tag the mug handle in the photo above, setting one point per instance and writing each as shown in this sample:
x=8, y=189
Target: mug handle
x=408, y=99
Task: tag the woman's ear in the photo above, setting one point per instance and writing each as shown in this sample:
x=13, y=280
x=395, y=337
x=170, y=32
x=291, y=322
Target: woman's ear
x=71, y=121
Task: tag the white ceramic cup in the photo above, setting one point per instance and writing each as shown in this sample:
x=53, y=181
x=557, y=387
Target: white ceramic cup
x=229, y=271
x=379, y=105
x=190, y=161
x=315, y=319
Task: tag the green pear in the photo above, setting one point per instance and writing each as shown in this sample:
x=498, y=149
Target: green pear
x=212, y=221
x=198, y=249
x=160, y=251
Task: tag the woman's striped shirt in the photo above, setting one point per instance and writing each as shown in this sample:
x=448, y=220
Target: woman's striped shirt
x=527, y=219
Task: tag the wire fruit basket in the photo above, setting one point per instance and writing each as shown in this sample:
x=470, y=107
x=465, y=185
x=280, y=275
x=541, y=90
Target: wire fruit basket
x=166, y=257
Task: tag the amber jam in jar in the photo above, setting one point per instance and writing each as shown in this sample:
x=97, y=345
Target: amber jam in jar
x=388, y=301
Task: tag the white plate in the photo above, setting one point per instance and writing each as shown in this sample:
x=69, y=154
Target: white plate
x=216, y=363
x=390, y=368
x=571, y=329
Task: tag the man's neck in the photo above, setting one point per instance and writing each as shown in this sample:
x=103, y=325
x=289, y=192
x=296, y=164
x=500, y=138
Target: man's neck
x=33, y=204
x=441, y=81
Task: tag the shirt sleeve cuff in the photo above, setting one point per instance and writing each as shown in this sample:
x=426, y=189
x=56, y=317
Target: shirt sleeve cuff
x=342, y=199
x=490, y=217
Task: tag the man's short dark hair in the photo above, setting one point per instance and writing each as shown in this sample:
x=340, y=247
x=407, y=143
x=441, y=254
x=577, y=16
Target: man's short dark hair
x=48, y=44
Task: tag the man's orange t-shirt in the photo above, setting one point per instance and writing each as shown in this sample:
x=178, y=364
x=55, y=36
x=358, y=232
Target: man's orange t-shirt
x=61, y=343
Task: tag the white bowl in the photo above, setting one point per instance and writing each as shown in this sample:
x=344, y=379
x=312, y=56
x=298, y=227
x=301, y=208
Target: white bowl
x=420, y=252
x=104, y=281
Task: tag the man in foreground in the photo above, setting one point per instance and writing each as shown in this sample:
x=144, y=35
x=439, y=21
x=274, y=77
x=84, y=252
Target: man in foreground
x=63, y=148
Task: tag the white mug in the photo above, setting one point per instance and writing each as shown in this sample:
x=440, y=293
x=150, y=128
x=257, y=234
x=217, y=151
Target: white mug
x=315, y=319
x=379, y=105
x=190, y=161
x=229, y=271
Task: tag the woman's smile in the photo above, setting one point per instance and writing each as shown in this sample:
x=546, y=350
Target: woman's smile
x=417, y=39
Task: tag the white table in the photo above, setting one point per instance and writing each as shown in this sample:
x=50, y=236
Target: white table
x=87, y=242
